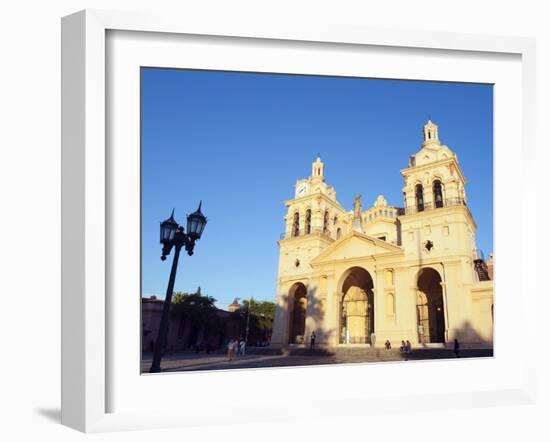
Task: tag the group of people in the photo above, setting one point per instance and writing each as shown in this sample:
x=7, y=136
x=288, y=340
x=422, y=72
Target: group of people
x=405, y=347
x=236, y=347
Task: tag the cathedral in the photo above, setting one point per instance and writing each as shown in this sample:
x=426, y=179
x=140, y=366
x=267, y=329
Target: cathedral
x=362, y=277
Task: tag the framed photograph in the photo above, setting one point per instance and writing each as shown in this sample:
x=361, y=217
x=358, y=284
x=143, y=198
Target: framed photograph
x=315, y=212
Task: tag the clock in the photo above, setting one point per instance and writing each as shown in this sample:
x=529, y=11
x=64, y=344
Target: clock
x=301, y=191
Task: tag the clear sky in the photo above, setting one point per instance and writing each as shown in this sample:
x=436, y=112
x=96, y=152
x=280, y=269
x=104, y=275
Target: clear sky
x=239, y=142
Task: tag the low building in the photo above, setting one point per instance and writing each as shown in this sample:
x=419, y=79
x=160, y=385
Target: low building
x=186, y=334
x=234, y=306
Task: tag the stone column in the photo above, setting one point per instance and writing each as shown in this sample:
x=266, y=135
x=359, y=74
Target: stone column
x=323, y=295
x=445, y=309
x=312, y=309
x=317, y=213
x=281, y=321
x=379, y=325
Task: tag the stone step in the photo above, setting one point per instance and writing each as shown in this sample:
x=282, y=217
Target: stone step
x=371, y=353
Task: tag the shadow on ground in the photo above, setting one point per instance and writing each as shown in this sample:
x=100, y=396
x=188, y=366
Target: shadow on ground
x=300, y=356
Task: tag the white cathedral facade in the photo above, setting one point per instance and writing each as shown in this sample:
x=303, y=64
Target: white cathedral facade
x=386, y=272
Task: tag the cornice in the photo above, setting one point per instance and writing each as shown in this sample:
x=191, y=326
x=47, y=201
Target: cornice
x=313, y=196
x=432, y=213
x=411, y=169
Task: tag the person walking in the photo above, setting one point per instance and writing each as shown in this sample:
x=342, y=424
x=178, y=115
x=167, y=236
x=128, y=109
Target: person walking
x=372, y=339
x=388, y=344
x=242, y=346
x=457, y=348
x=408, y=345
x=312, y=340
x=230, y=350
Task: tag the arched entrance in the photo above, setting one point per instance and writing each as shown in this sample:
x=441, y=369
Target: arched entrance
x=297, y=304
x=356, y=307
x=430, y=308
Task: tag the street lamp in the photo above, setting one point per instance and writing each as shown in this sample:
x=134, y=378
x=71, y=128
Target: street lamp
x=248, y=320
x=172, y=235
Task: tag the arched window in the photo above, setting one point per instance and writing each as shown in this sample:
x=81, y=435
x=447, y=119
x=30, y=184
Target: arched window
x=390, y=304
x=419, y=194
x=325, y=222
x=338, y=233
x=438, y=194
x=308, y=222
x=388, y=281
x=296, y=224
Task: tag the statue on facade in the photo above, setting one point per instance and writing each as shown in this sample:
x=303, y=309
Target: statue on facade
x=357, y=207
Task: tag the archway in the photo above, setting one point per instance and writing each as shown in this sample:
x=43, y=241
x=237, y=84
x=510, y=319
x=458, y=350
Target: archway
x=297, y=303
x=438, y=194
x=430, y=308
x=356, y=307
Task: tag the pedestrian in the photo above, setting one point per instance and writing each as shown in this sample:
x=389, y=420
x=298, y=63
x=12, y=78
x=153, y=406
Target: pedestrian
x=403, y=347
x=242, y=346
x=457, y=348
x=388, y=344
x=230, y=350
x=372, y=339
x=408, y=346
x=312, y=340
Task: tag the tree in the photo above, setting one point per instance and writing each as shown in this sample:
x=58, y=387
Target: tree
x=198, y=311
x=260, y=322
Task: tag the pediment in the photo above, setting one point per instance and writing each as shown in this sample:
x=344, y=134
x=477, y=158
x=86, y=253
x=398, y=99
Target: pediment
x=355, y=245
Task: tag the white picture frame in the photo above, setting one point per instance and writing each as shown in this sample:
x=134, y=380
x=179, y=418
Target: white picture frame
x=86, y=205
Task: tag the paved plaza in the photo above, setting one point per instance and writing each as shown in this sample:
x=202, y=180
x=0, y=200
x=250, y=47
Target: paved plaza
x=190, y=361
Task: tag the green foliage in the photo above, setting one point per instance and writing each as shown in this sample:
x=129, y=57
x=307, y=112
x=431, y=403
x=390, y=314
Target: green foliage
x=260, y=321
x=194, y=307
x=200, y=313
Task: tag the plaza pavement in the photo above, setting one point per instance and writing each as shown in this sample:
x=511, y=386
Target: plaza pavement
x=190, y=361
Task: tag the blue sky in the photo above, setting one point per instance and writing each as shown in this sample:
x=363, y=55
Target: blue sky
x=239, y=141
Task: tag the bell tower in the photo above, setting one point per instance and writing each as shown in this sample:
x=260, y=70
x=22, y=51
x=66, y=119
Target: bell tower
x=314, y=220
x=434, y=178
x=435, y=198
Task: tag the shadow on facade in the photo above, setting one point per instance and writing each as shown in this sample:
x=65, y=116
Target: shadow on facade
x=471, y=345
x=468, y=334
x=302, y=320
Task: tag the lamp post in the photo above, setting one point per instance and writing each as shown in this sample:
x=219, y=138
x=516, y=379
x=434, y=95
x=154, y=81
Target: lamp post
x=172, y=235
x=248, y=320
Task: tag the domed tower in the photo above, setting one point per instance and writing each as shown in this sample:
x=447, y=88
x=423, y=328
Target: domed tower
x=434, y=178
x=314, y=220
x=436, y=211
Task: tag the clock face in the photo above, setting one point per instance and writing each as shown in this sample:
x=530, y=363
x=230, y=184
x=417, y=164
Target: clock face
x=301, y=190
